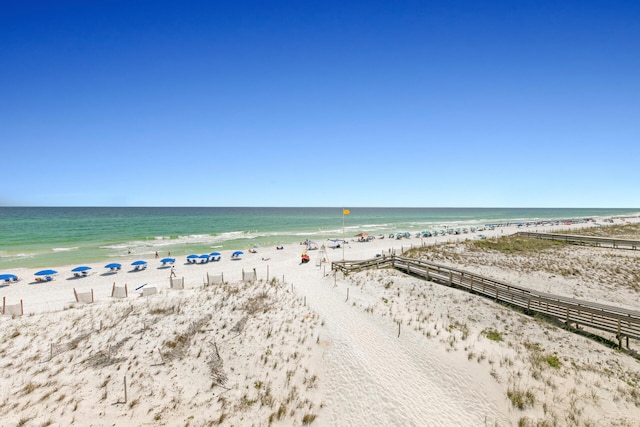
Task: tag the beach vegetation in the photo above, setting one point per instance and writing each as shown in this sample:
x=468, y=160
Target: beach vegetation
x=552, y=360
x=511, y=245
x=521, y=399
x=308, y=419
x=492, y=334
x=22, y=422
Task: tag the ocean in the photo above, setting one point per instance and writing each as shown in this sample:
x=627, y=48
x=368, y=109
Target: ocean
x=40, y=237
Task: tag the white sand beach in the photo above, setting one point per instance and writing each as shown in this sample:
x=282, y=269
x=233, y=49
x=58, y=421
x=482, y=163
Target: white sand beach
x=303, y=345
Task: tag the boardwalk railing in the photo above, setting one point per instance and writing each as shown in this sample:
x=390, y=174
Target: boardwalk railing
x=622, y=322
x=584, y=240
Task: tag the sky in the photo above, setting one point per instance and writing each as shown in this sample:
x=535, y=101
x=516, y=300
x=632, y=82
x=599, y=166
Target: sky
x=320, y=103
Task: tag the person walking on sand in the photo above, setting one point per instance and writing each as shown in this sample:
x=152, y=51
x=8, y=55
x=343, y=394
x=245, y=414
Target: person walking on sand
x=157, y=255
x=173, y=272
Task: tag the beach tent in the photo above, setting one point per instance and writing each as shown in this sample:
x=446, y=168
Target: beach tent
x=192, y=259
x=215, y=256
x=204, y=258
x=236, y=254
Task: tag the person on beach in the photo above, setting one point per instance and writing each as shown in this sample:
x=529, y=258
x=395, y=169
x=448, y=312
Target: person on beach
x=173, y=272
x=157, y=256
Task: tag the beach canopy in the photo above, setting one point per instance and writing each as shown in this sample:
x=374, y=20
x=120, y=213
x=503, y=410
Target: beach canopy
x=113, y=265
x=139, y=262
x=46, y=273
x=167, y=260
x=363, y=234
x=215, y=254
x=81, y=269
x=192, y=256
x=204, y=256
x=8, y=277
x=236, y=253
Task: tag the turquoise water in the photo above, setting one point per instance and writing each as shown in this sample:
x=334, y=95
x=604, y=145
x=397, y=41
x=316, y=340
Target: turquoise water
x=42, y=237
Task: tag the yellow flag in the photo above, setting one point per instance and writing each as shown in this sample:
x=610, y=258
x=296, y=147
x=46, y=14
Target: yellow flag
x=346, y=211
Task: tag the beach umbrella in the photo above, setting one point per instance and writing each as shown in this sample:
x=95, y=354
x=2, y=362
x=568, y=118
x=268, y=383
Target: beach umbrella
x=46, y=273
x=81, y=269
x=363, y=234
x=237, y=254
x=8, y=277
x=139, y=262
x=167, y=260
x=113, y=265
x=215, y=254
x=192, y=256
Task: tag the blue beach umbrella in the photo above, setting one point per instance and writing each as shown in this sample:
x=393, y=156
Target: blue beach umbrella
x=81, y=269
x=192, y=256
x=46, y=273
x=113, y=265
x=167, y=260
x=139, y=262
x=8, y=277
x=215, y=254
x=236, y=254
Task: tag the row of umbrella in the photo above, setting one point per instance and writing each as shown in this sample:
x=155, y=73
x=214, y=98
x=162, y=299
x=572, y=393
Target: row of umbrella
x=84, y=269
x=213, y=256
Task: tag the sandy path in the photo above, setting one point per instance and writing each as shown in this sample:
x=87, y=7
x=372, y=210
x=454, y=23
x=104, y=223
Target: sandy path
x=375, y=378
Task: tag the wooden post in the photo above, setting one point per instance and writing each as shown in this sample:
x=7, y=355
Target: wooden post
x=399, y=329
x=126, y=292
x=4, y=304
x=267, y=272
x=113, y=289
x=347, y=295
x=75, y=294
x=125, y=389
x=92, y=296
x=305, y=300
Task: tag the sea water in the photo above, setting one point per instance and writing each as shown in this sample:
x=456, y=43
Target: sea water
x=50, y=236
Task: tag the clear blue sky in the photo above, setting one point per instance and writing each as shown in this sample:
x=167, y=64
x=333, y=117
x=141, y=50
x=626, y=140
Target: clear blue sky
x=320, y=103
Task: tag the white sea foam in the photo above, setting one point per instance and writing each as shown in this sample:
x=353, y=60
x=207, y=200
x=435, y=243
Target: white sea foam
x=74, y=248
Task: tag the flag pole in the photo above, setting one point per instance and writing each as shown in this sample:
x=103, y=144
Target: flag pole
x=343, y=242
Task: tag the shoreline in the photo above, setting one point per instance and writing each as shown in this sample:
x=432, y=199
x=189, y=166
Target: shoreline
x=54, y=247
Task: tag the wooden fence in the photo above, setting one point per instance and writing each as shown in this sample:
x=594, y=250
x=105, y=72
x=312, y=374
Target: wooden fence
x=622, y=322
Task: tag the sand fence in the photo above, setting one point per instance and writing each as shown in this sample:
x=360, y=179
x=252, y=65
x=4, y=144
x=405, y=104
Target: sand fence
x=13, y=309
x=84, y=297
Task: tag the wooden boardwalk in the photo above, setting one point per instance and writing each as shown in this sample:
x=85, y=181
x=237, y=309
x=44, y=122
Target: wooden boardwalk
x=584, y=240
x=623, y=323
